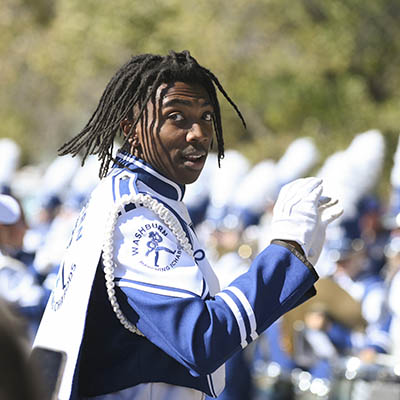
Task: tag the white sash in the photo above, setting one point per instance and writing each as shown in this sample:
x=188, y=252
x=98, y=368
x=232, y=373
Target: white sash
x=63, y=322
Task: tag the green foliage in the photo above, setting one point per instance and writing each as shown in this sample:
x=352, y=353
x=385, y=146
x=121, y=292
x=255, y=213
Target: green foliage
x=328, y=70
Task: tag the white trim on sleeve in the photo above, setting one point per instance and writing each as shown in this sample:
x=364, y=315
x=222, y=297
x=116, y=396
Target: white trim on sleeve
x=239, y=319
x=249, y=310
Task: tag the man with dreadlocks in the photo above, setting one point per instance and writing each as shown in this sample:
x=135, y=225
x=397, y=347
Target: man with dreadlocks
x=137, y=309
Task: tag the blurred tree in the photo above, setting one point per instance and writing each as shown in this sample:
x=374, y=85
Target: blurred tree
x=328, y=70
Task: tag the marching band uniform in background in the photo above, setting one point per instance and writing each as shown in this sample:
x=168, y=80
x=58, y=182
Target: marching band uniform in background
x=198, y=194
x=18, y=286
x=366, y=288
x=392, y=251
x=9, y=161
x=346, y=174
x=393, y=303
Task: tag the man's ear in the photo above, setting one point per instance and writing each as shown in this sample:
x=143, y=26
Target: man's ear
x=126, y=126
x=132, y=136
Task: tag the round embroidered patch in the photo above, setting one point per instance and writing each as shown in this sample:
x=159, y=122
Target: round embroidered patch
x=153, y=248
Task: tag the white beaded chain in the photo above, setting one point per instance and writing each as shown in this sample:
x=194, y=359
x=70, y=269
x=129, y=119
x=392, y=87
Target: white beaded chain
x=164, y=214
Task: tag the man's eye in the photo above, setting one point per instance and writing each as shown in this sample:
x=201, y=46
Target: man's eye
x=208, y=116
x=176, y=117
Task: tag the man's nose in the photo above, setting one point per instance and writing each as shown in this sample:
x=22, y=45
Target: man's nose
x=198, y=133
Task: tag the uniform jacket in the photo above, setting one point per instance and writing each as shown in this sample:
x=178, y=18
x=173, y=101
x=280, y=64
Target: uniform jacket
x=190, y=326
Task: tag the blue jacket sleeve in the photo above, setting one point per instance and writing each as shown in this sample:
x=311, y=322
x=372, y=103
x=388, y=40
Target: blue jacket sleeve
x=201, y=333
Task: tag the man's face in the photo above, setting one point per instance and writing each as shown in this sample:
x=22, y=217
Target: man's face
x=353, y=265
x=177, y=142
x=12, y=236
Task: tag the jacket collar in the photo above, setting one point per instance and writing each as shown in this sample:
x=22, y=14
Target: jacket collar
x=148, y=175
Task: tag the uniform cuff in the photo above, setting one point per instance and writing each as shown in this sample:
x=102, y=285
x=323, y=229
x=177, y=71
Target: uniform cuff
x=294, y=251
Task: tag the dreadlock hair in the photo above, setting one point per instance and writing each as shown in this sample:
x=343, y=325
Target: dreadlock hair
x=134, y=84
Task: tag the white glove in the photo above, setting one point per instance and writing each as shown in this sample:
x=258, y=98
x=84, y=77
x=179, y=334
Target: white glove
x=296, y=215
x=328, y=211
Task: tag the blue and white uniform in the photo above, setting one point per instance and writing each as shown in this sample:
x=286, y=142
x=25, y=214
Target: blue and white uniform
x=370, y=291
x=190, y=326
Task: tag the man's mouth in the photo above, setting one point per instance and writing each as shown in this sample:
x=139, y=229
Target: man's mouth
x=194, y=160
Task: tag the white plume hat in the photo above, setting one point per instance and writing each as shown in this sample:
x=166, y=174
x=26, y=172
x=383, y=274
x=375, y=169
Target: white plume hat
x=353, y=173
x=58, y=175
x=10, y=210
x=300, y=156
x=9, y=160
x=224, y=180
x=258, y=188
